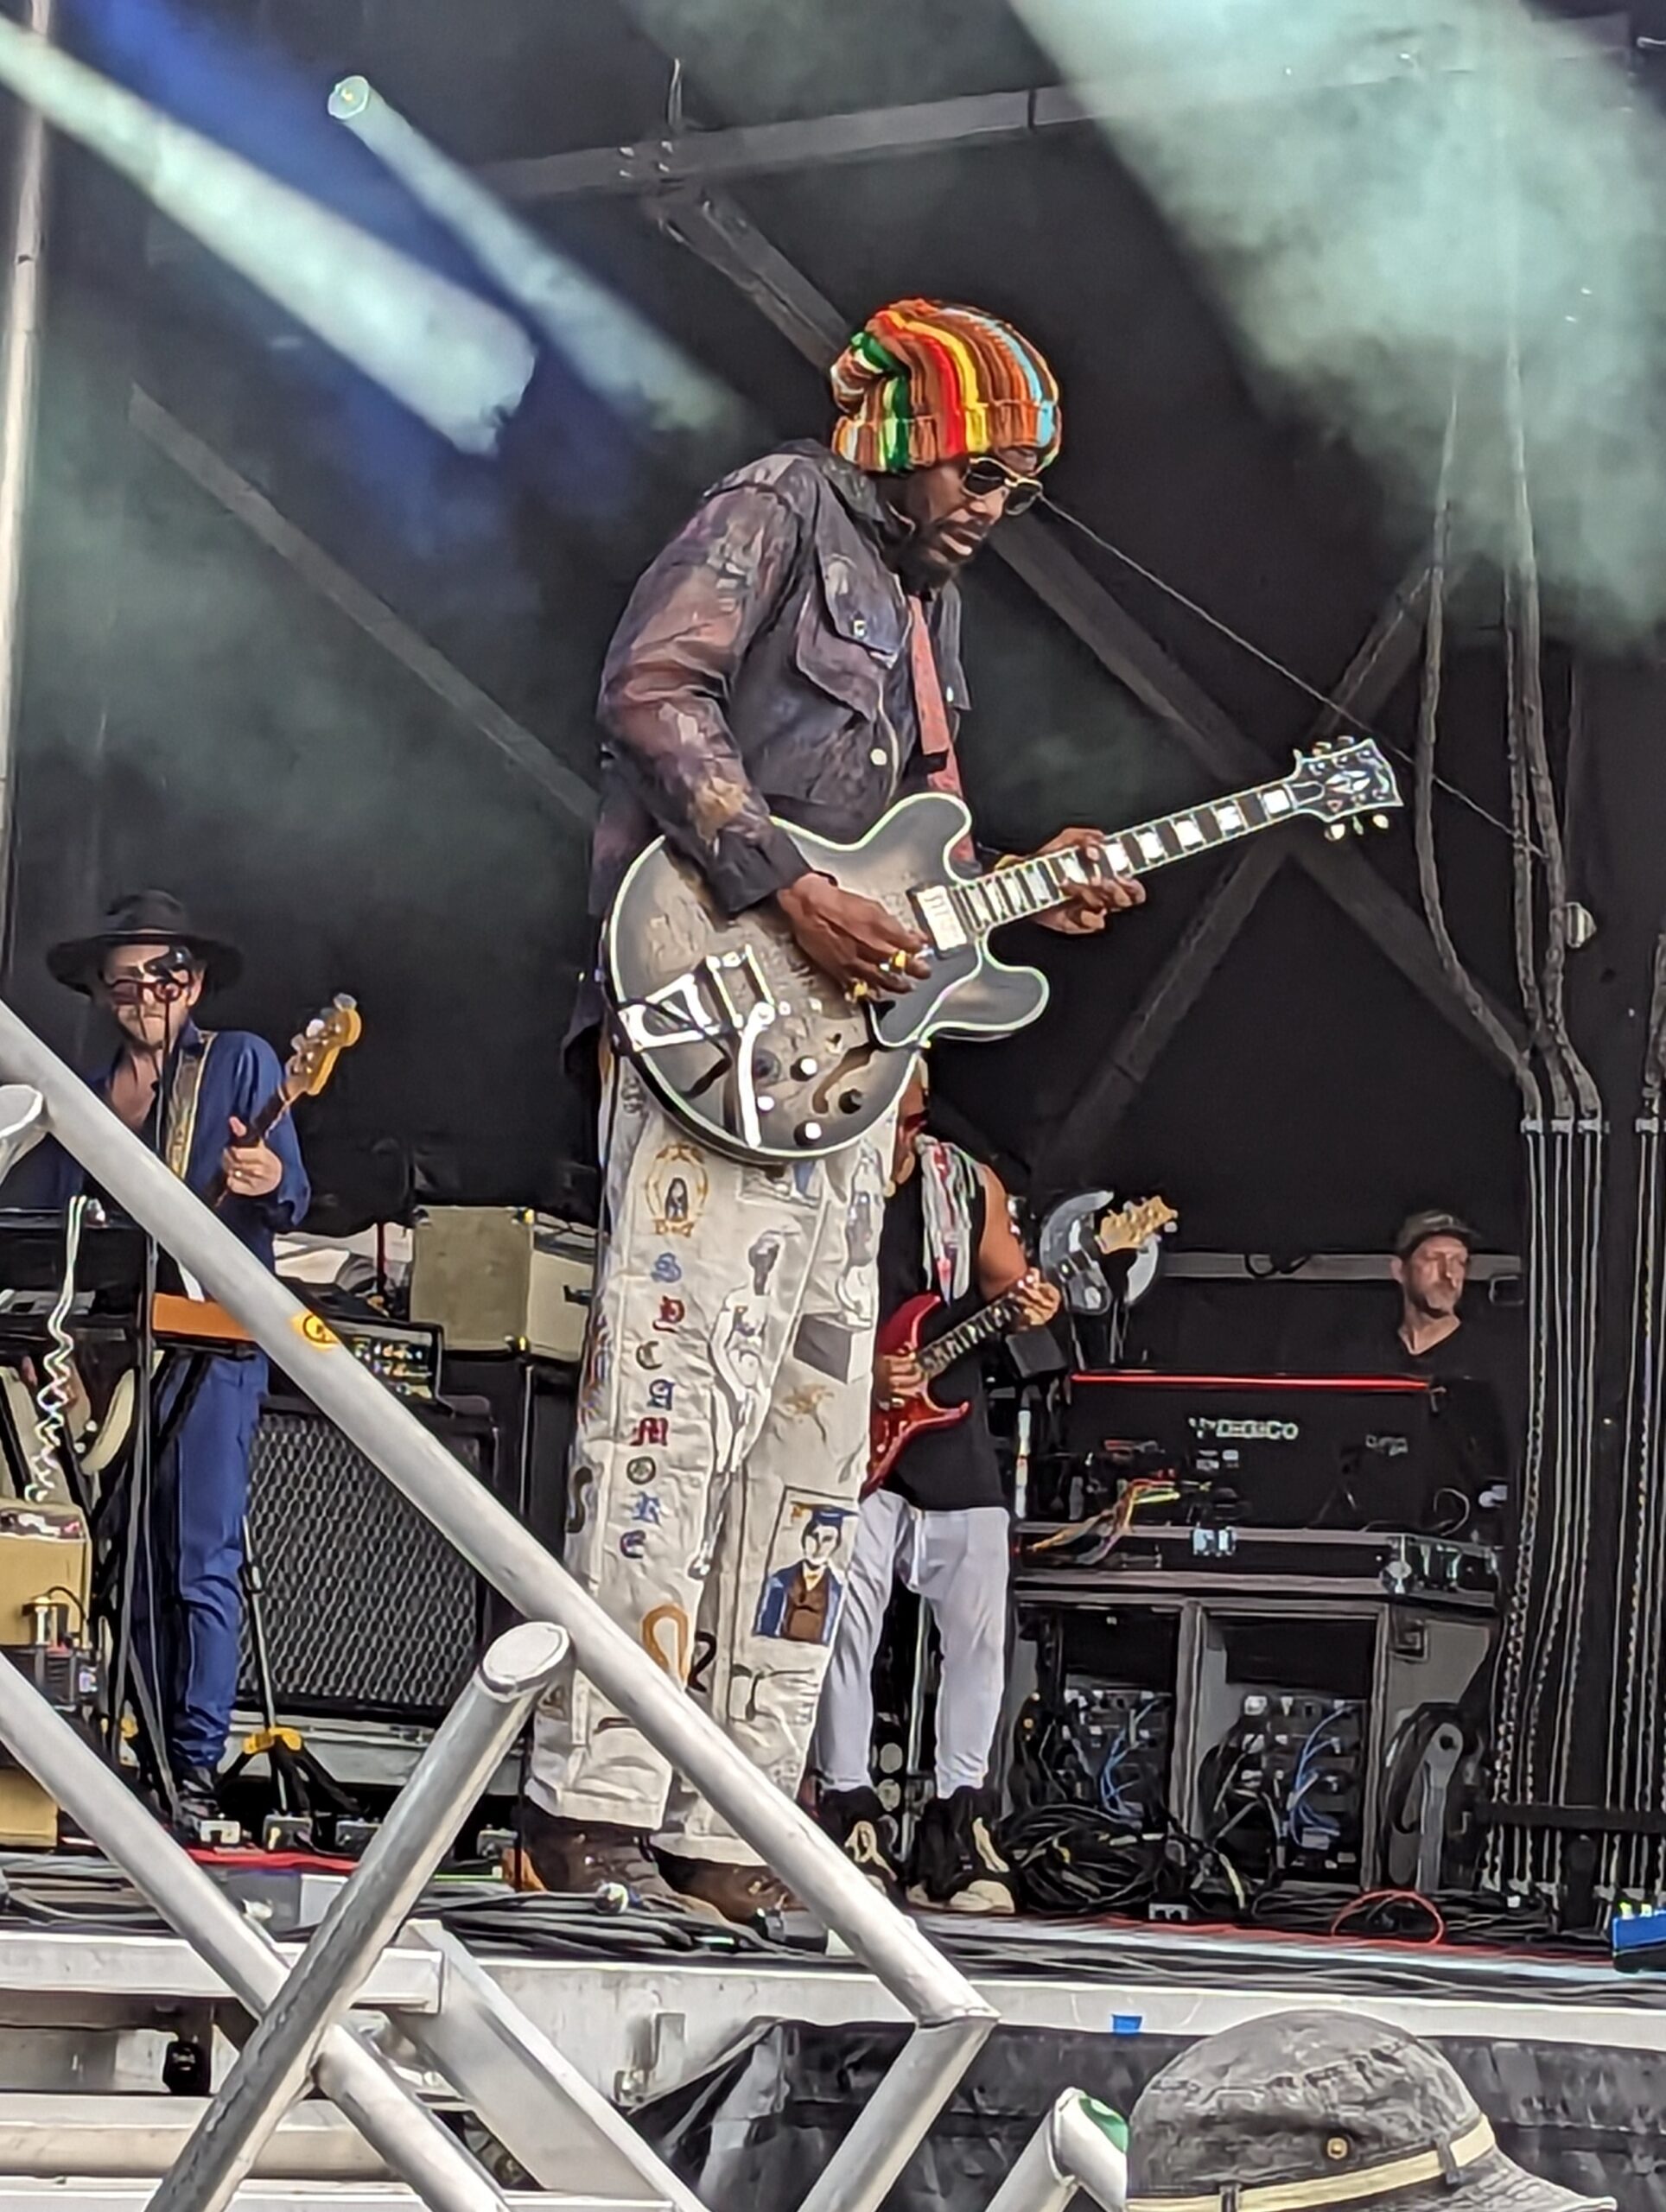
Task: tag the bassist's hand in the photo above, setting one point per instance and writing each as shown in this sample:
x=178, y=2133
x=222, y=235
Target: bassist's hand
x=252, y=1171
x=1091, y=905
x=853, y=938
x=898, y=1377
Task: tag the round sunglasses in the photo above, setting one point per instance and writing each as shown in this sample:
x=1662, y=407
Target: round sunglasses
x=983, y=473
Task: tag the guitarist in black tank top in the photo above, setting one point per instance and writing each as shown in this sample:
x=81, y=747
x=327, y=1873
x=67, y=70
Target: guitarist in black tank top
x=939, y=1522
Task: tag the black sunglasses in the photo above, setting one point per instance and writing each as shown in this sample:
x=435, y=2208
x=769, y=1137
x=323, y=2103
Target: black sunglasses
x=164, y=979
x=984, y=474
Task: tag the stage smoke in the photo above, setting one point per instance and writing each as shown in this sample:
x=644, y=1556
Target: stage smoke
x=457, y=362
x=623, y=358
x=1386, y=192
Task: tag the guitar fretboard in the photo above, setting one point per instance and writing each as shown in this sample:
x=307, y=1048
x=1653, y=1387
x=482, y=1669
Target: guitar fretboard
x=937, y=1357
x=1032, y=886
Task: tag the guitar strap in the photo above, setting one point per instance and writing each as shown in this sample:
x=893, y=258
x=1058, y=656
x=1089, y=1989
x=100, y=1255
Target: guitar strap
x=186, y=1091
x=937, y=736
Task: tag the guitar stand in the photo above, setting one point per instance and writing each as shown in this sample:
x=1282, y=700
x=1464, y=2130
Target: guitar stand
x=302, y=1784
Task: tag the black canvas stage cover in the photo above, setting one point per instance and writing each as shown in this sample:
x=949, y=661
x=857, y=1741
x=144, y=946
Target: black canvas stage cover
x=757, y=2130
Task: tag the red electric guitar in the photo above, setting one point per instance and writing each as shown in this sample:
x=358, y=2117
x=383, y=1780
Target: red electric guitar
x=891, y=1426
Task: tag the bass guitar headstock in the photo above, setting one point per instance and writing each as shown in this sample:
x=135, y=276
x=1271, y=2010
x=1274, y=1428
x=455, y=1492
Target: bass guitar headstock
x=314, y=1054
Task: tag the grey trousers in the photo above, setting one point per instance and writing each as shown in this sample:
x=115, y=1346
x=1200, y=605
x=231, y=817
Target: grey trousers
x=718, y=1457
x=960, y=1564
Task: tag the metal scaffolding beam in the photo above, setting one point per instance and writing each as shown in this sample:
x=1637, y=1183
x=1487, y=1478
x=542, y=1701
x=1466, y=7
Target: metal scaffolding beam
x=711, y=225
x=674, y=158
x=196, y=458
x=1384, y=657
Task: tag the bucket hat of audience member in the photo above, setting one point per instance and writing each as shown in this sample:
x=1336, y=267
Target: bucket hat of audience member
x=1304, y=2111
x=1433, y=1221
x=144, y=918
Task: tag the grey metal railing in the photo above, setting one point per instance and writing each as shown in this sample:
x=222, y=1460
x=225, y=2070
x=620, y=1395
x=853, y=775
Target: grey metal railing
x=412, y=2140
x=1080, y=2145
x=366, y=1913
x=953, y=2019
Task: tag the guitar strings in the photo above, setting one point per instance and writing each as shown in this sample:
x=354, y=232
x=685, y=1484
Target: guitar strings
x=1271, y=660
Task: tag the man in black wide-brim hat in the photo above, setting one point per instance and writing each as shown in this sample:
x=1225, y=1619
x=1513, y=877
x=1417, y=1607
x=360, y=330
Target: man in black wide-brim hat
x=192, y=1095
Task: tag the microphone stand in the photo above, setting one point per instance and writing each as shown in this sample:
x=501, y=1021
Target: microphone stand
x=147, y=1693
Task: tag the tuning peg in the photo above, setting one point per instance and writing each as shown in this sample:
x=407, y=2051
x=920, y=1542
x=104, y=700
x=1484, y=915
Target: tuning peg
x=1379, y=821
x=1358, y=827
x=1336, y=830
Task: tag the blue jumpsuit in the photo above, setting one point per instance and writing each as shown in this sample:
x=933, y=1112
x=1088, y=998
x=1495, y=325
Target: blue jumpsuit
x=187, y=1642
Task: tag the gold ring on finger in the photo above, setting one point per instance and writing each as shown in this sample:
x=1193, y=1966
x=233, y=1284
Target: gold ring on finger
x=859, y=991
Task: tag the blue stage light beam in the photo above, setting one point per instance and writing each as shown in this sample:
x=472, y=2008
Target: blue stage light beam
x=456, y=361
x=635, y=368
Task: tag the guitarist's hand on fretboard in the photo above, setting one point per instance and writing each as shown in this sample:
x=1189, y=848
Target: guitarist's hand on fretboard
x=1035, y=1300
x=249, y=1171
x=1090, y=905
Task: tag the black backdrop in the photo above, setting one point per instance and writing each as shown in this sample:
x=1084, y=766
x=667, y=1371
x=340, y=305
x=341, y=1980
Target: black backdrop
x=195, y=714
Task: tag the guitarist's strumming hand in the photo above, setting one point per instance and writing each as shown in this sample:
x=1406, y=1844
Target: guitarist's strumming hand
x=898, y=1377
x=1091, y=905
x=853, y=938
x=250, y=1171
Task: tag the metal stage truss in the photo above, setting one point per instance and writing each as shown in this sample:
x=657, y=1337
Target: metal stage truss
x=521, y=2086
x=558, y=2054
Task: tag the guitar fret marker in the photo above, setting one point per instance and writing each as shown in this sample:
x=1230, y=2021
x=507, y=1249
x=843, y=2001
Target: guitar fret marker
x=1116, y=858
x=1277, y=800
x=1227, y=819
x=1150, y=845
x=1189, y=831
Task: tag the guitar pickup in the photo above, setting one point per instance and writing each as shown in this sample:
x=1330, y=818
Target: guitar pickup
x=935, y=909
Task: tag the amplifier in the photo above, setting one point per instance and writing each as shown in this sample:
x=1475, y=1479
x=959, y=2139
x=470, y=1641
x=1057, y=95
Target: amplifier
x=500, y=1279
x=45, y=1571
x=369, y=1611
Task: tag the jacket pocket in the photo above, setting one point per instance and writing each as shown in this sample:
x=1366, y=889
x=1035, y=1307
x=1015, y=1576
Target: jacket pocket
x=850, y=630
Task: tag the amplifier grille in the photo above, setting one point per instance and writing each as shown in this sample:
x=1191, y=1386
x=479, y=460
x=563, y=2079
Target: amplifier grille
x=368, y=1609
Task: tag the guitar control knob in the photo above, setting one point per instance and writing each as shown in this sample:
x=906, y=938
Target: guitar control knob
x=765, y=1105
x=807, y=1133
x=850, y=1101
x=805, y=1068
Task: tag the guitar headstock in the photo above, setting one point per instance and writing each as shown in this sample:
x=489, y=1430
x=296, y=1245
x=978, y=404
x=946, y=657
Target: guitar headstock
x=1126, y=1228
x=314, y=1054
x=1340, y=784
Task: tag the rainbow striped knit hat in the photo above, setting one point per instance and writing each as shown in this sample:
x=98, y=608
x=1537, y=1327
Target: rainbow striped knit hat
x=924, y=381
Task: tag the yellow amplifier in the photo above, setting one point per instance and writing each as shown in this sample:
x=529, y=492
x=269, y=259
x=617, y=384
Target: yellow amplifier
x=46, y=1572
x=501, y=1279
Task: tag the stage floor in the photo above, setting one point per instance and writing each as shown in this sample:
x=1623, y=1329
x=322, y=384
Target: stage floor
x=639, y=2028
x=745, y=2061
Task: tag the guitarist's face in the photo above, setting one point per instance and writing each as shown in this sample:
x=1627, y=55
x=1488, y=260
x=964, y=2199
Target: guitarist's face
x=150, y=992
x=950, y=521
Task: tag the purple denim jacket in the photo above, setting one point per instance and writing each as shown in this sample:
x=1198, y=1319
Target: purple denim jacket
x=762, y=669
